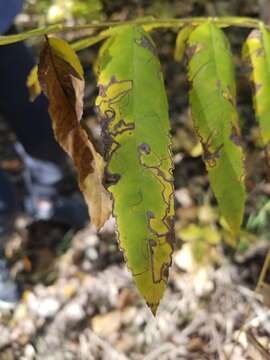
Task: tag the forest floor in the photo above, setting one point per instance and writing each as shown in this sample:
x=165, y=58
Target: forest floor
x=78, y=299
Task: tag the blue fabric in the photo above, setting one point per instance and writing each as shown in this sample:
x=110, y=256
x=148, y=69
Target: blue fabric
x=8, y=11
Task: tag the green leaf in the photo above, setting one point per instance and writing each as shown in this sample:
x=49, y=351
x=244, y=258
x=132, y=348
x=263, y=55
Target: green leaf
x=180, y=44
x=133, y=107
x=213, y=104
x=256, y=51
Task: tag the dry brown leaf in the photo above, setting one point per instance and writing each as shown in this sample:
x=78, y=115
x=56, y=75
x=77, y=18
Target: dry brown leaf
x=61, y=78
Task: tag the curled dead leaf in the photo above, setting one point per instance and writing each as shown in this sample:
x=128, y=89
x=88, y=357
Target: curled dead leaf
x=61, y=79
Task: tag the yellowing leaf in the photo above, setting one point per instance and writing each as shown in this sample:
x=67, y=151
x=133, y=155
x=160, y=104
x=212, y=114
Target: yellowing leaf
x=61, y=78
x=33, y=84
x=213, y=104
x=202, y=240
x=134, y=112
x=180, y=44
x=256, y=51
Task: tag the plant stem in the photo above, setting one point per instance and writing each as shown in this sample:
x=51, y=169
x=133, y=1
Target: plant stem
x=167, y=23
x=152, y=23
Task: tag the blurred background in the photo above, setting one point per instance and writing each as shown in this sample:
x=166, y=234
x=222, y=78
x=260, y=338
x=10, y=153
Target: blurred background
x=75, y=297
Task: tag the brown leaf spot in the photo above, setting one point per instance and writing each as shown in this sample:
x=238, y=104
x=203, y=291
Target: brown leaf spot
x=210, y=157
x=145, y=148
x=257, y=87
x=150, y=215
x=255, y=34
x=192, y=50
x=260, y=52
x=235, y=136
x=152, y=242
x=145, y=42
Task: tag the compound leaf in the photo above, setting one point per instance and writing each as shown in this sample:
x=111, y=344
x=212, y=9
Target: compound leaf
x=134, y=112
x=256, y=52
x=213, y=104
x=61, y=78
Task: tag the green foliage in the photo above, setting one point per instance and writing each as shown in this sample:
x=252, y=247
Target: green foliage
x=213, y=104
x=136, y=171
x=134, y=111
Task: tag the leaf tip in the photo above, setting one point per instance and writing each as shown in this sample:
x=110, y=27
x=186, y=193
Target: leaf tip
x=153, y=308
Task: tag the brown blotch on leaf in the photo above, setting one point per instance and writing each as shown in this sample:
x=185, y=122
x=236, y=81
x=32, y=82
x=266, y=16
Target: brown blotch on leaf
x=260, y=52
x=145, y=42
x=257, y=87
x=210, y=157
x=150, y=215
x=235, y=136
x=192, y=50
x=165, y=273
x=111, y=179
x=145, y=148
x=255, y=34
x=170, y=236
x=152, y=242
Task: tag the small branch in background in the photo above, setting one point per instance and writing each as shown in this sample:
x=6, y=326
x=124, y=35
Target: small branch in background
x=257, y=345
x=260, y=284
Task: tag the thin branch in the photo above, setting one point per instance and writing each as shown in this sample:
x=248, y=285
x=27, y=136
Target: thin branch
x=153, y=23
x=247, y=309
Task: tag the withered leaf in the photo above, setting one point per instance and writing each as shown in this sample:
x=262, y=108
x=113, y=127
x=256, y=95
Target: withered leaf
x=61, y=79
